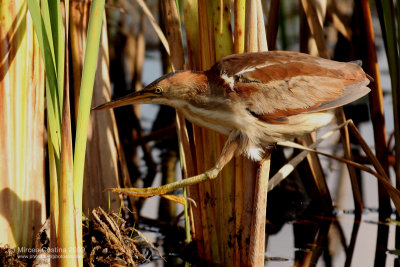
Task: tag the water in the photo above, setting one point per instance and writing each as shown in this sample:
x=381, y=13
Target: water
x=282, y=244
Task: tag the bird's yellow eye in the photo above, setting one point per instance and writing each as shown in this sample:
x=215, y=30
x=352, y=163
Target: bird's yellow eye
x=158, y=90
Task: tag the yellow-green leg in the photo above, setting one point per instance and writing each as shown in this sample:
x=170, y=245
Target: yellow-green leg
x=227, y=154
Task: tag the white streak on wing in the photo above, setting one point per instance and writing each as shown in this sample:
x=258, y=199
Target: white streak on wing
x=229, y=80
x=252, y=68
x=245, y=71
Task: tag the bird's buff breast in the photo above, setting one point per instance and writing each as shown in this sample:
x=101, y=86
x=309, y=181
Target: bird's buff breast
x=258, y=132
x=218, y=120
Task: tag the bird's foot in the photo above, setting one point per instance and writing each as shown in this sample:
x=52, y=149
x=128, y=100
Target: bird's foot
x=211, y=174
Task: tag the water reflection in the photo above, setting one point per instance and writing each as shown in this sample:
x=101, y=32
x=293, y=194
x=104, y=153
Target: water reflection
x=341, y=240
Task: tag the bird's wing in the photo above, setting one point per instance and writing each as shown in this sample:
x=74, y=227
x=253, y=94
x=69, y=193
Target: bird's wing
x=275, y=85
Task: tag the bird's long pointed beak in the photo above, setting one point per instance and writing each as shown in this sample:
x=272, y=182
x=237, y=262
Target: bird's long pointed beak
x=138, y=97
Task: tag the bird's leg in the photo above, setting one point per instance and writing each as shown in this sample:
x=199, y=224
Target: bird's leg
x=227, y=154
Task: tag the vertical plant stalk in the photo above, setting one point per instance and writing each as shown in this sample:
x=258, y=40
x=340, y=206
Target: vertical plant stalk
x=222, y=28
x=51, y=52
x=207, y=142
x=315, y=17
x=239, y=11
x=140, y=56
x=54, y=197
x=174, y=37
x=207, y=52
x=102, y=153
x=224, y=185
x=256, y=41
x=203, y=141
x=85, y=99
x=257, y=235
x=386, y=16
x=273, y=23
x=318, y=176
x=314, y=12
x=262, y=37
x=251, y=41
x=42, y=27
x=357, y=197
x=190, y=9
x=67, y=221
x=345, y=139
x=243, y=168
x=376, y=106
x=59, y=44
x=79, y=18
x=22, y=184
x=188, y=161
x=389, y=16
x=387, y=19
x=171, y=25
x=204, y=225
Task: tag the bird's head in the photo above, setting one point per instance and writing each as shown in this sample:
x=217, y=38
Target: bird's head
x=166, y=90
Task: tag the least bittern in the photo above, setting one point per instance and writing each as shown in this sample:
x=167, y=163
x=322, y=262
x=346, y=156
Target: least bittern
x=257, y=99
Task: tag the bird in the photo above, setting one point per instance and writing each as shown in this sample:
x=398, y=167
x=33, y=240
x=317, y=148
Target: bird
x=257, y=99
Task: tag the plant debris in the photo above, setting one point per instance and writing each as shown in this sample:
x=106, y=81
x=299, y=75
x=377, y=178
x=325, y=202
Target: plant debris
x=10, y=257
x=108, y=241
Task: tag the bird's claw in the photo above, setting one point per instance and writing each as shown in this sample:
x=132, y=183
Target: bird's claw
x=149, y=192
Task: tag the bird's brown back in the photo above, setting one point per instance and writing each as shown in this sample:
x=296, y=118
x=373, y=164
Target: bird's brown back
x=277, y=84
